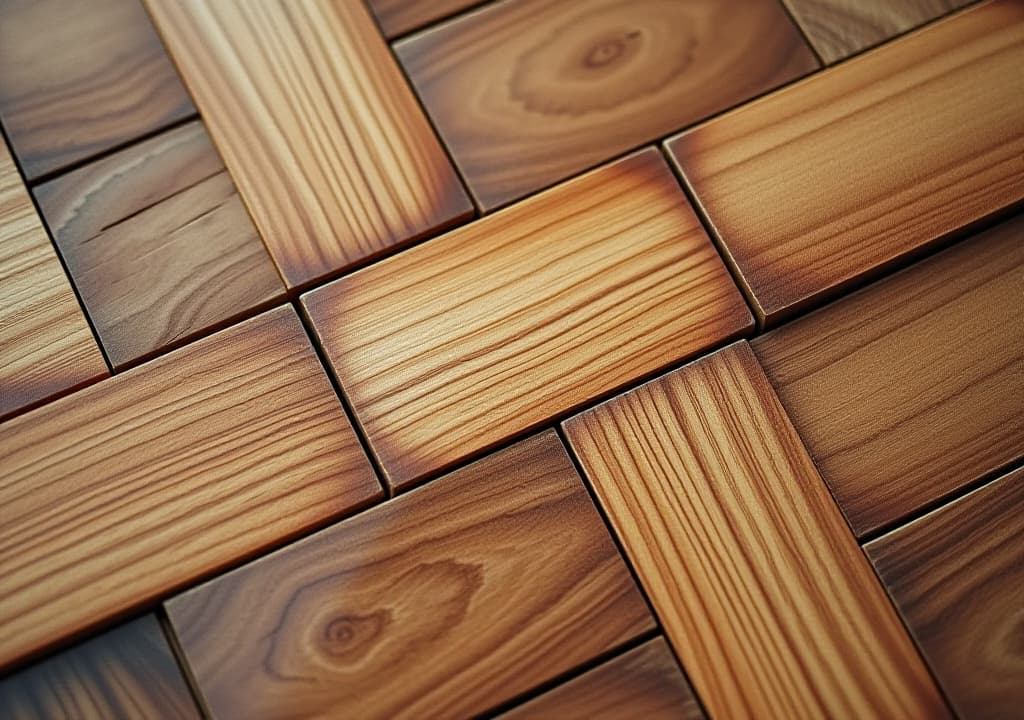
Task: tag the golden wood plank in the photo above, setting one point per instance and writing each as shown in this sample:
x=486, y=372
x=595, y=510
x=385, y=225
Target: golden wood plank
x=397, y=17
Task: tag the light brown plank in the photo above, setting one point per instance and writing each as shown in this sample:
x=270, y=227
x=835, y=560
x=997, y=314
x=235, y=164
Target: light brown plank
x=761, y=588
x=860, y=167
x=327, y=144
x=397, y=17
x=493, y=329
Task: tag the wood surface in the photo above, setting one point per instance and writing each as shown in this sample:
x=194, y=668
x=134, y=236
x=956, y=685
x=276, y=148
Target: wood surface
x=465, y=341
x=911, y=389
x=763, y=592
x=141, y=484
x=398, y=17
x=159, y=244
x=526, y=93
x=440, y=603
x=80, y=78
x=864, y=165
x=330, y=150
x=957, y=575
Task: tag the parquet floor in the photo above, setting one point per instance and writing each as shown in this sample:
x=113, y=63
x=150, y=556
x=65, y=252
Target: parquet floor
x=533, y=358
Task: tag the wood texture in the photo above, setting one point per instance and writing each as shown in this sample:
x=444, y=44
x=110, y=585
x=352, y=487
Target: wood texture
x=911, y=388
x=834, y=179
x=440, y=603
x=761, y=588
x=78, y=78
x=397, y=17
x=529, y=92
x=327, y=143
x=138, y=485
x=957, y=575
x=159, y=244
x=493, y=329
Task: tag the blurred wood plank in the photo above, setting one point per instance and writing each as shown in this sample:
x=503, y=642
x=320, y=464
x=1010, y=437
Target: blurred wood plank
x=398, y=17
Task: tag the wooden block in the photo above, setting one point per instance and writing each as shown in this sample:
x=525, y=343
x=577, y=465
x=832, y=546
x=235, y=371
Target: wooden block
x=132, y=488
x=529, y=92
x=440, y=603
x=957, y=577
x=762, y=590
x=911, y=389
x=398, y=17
x=840, y=177
x=475, y=337
x=159, y=244
x=77, y=79
x=128, y=672
x=329, y=148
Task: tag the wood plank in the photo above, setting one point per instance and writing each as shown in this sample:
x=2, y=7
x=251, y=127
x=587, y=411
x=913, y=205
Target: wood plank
x=159, y=244
x=761, y=588
x=440, y=603
x=398, y=17
x=911, y=389
x=935, y=121
x=465, y=341
x=134, y=487
x=326, y=141
x=77, y=79
x=527, y=93
x=957, y=577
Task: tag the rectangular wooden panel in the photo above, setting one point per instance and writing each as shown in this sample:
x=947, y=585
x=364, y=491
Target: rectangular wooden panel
x=487, y=332
x=440, y=603
x=761, y=588
x=326, y=141
x=911, y=388
x=397, y=17
x=135, y=486
x=837, y=178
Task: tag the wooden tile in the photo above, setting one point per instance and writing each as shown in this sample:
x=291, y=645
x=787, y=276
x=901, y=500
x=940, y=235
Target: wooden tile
x=159, y=244
x=465, y=341
x=128, y=672
x=958, y=578
x=78, y=78
x=330, y=149
x=911, y=388
x=837, y=178
x=135, y=486
x=761, y=588
x=440, y=603
x=529, y=92
x=397, y=17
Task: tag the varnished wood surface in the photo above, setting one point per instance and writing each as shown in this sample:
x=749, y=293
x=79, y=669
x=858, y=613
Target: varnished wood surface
x=464, y=341
x=761, y=588
x=316, y=124
x=146, y=481
x=159, y=244
x=440, y=603
x=526, y=93
x=911, y=388
x=397, y=17
x=836, y=178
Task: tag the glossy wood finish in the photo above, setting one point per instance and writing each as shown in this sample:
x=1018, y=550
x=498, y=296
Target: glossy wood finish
x=529, y=92
x=835, y=179
x=397, y=17
x=141, y=484
x=317, y=126
x=487, y=332
x=159, y=244
x=439, y=603
x=957, y=575
x=911, y=388
x=761, y=588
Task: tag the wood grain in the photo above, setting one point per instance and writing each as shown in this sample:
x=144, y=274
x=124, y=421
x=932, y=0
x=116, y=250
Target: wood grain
x=529, y=92
x=836, y=179
x=128, y=672
x=911, y=388
x=159, y=244
x=761, y=588
x=398, y=17
x=440, y=603
x=77, y=79
x=465, y=341
x=327, y=144
x=958, y=578
x=136, y=486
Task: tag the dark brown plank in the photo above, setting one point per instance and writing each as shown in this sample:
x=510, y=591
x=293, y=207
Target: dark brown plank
x=397, y=17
